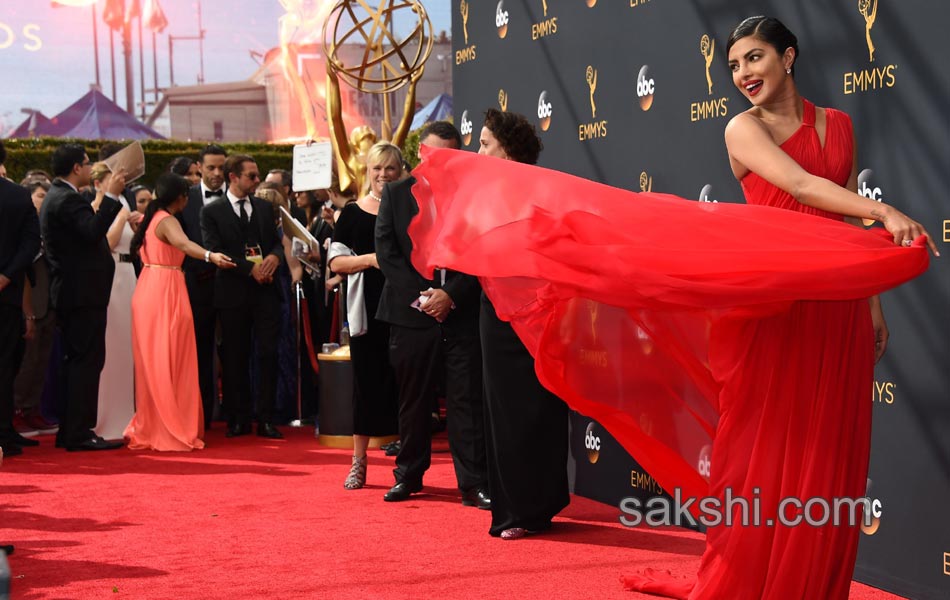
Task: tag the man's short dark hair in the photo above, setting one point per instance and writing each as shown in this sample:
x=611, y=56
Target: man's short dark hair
x=211, y=149
x=107, y=150
x=443, y=130
x=286, y=178
x=3, y=153
x=65, y=157
x=235, y=164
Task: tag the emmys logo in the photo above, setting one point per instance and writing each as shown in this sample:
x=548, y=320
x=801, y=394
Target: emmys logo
x=867, y=189
x=646, y=182
x=592, y=443
x=946, y=563
x=468, y=52
x=544, y=111
x=884, y=392
x=646, y=87
x=643, y=481
x=503, y=100
x=29, y=32
x=709, y=108
x=636, y=3
x=545, y=27
x=868, y=10
x=875, y=78
x=705, y=194
x=465, y=128
x=501, y=19
x=704, y=464
x=595, y=129
x=946, y=230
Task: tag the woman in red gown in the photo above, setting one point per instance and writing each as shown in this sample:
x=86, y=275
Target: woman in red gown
x=681, y=325
x=168, y=413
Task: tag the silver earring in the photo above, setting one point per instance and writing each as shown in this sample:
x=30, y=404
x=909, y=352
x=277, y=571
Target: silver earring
x=789, y=71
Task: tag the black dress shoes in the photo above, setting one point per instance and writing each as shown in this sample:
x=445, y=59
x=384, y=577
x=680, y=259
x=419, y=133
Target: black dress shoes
x=19, y=440
x=10, y=449
x=95, y=443
x=238, y=429
x=476, y=497
x=401, y=491
x=269, y=431
x=392, y=448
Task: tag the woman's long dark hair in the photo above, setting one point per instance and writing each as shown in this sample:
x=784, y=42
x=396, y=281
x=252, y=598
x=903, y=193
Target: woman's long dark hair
x=768, y=29
x=168, y=189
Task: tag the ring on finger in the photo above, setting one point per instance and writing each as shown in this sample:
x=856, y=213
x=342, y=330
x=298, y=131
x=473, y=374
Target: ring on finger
x=907, y=242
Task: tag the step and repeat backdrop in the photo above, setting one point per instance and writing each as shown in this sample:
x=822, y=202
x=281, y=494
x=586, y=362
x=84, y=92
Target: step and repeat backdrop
x=637, y=93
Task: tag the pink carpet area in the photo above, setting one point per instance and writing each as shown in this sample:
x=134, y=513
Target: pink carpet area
x=255, y=518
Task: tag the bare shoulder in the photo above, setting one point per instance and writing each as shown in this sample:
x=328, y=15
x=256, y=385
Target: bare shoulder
x=744, y=124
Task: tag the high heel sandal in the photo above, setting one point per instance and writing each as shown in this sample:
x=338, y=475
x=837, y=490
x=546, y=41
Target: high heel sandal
x=357, y=477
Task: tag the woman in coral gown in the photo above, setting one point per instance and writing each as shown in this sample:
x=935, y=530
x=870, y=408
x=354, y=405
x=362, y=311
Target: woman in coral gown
x=727, y=347
x=168, y=413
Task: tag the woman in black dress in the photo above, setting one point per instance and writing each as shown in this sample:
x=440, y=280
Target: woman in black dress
x=375, y=406
x=526, y=432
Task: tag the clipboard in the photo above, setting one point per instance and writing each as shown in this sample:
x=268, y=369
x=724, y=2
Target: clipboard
x=297, y=232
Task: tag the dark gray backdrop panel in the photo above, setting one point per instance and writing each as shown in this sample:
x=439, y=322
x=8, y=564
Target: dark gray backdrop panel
x=898, y=104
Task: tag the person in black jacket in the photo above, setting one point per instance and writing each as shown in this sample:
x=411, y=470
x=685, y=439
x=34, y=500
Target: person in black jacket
x=19, y=244
x=440, y=335
x=246, y=298
x=199, y=275
x=81, y=269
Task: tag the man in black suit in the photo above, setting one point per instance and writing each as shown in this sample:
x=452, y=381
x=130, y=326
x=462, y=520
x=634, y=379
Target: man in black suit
x=81, y=268
x=199, y=275
x=246, y=298
x=441, y=334
x=19, y=244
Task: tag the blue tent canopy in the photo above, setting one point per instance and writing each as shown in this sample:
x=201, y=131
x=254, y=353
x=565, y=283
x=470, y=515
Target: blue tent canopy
x=92, y=117
x=438, y=109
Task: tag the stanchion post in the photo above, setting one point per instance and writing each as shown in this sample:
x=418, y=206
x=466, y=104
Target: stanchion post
x=298, y=296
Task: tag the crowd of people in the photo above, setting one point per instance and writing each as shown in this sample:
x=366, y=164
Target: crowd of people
x=216, y=272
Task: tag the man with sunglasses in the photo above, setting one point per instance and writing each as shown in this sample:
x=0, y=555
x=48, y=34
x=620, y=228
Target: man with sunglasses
x=247, y=298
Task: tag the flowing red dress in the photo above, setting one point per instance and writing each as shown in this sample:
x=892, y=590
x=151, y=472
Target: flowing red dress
x=168, y=410
x=723, y=345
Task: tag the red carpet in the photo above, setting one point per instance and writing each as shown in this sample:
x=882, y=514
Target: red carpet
x=251, y=518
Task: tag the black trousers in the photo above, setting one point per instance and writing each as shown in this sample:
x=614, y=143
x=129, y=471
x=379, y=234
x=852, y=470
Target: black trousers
x=418, y=356
x=260, y=316
x=11, y=355
x=201, y=294
x=84, y=348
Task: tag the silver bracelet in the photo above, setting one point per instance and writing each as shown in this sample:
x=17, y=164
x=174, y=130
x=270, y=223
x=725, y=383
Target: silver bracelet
x=207, y=255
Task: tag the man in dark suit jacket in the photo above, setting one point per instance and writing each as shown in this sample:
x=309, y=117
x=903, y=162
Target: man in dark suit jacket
x=19, y=243
x=442, y=334
x=199, y=275
x=246, y=298
x=82, y=269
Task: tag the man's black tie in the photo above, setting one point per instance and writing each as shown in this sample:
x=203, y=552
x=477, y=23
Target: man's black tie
x=244, y=219
x=212, y=193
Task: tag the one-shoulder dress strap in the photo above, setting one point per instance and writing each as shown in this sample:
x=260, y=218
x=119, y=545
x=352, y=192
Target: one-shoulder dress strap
x=808, y=116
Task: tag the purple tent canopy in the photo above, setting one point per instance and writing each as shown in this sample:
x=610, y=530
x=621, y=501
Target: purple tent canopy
x=437, y=109
x=35, y=125
x=92, y=117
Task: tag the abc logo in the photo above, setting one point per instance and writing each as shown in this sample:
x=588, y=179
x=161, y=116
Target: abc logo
x=645, y=88
x=591, y=3
x=704, y=465
x=544, y=110
x=501, y=19
x=705, y=194
x=466, y=129
x=870, y=526
x=592, y=443
x=867, y=189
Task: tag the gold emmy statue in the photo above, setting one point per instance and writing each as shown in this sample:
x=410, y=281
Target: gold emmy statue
x=646, y=182
x=707, y=48
x=544, y=5
x=503, y=100
x=463, y=9
x=592, y=84
x=868, y=9
x=388, y=63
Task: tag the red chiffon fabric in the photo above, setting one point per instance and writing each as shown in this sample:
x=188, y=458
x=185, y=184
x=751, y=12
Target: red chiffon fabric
x=729, y=336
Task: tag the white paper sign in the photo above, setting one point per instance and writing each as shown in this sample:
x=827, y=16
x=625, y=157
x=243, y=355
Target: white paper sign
x=131, y=158
x=312, y=166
